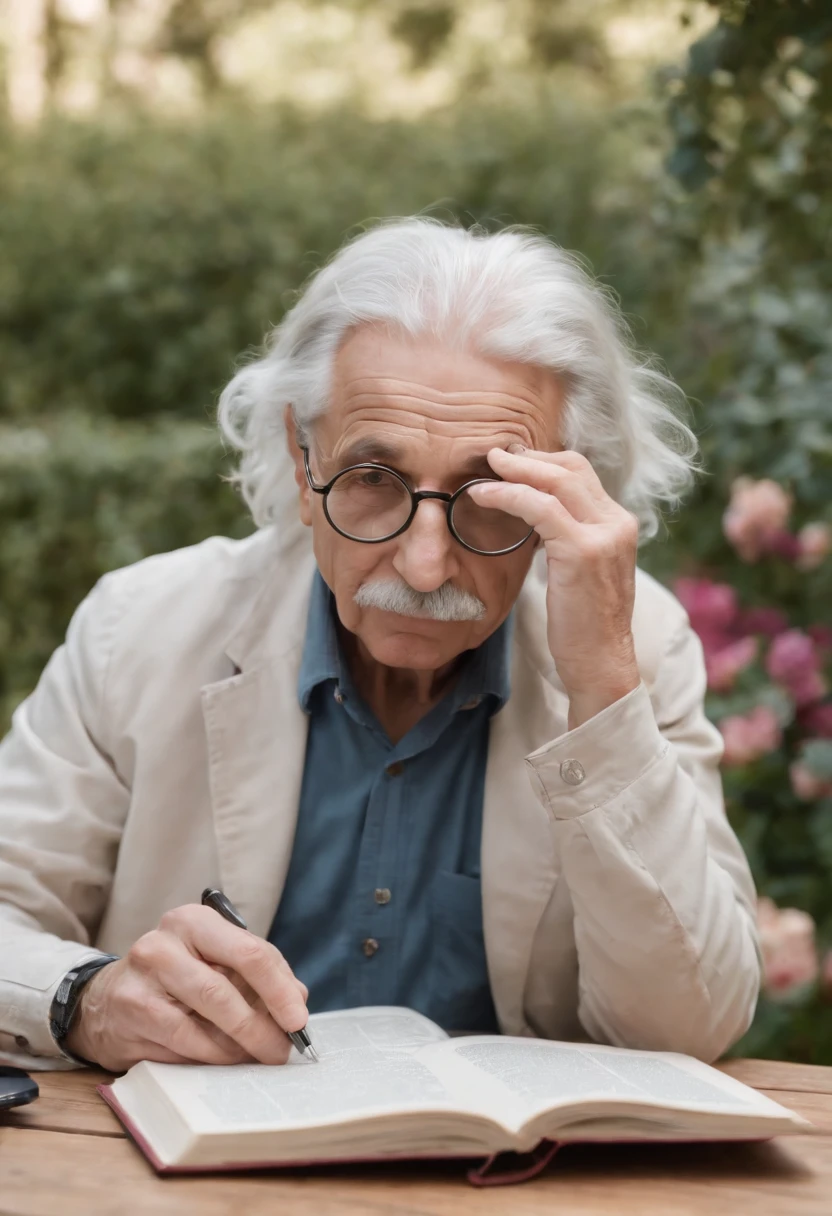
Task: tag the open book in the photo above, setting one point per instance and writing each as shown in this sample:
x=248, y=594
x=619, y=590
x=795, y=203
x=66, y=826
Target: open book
x=390, y=1084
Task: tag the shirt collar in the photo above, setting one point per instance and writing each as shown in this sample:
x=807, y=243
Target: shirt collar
x=486, y=672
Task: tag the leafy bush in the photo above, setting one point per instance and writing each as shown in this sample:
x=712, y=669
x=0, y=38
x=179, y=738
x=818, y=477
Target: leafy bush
x=79, y=498
x=138, y=260
x=751, y=113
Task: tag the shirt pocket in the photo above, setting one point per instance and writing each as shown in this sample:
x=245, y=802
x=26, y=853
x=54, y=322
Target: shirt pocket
x=460, y=994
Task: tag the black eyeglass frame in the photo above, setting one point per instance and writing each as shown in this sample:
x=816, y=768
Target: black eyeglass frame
x=416, y=496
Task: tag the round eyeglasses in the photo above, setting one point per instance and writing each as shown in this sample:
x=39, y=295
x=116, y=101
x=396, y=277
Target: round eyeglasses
x=370, y=503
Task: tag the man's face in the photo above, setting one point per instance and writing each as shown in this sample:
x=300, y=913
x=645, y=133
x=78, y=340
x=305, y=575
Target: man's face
x=432, y=414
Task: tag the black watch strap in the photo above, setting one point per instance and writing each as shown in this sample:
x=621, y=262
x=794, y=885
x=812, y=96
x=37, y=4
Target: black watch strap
x=67, y=996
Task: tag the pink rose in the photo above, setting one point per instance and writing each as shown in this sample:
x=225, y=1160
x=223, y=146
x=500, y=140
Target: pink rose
x=768, y=621
x=787, y=940
x=756, y=518
x=817, y=720
x=806, y=785
x=794, y=662
x=814, y=542
x=712, y=608
x=724, y=665
x=821, y=635
x=750, y=736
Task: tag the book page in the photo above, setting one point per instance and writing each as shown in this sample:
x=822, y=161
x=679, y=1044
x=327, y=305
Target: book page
x=542, y=1075
x=367, y=1066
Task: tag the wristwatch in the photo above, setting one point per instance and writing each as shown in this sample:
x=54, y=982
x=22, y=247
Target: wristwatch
x=65, y=1000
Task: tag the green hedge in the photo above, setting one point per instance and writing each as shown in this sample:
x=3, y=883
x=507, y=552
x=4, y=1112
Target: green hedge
x=138, y=260
x=79, y=498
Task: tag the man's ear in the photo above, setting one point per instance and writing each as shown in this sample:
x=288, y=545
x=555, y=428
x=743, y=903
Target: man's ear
x=293, y=448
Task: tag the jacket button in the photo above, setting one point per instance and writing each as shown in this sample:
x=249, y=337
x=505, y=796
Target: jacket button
x=369, y=946
x=21, y=1041
x=382, y=895
x=572, y=772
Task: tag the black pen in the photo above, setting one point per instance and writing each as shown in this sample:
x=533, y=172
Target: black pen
x=215, y=899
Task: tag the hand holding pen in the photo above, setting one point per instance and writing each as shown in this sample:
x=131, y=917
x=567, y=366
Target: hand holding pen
x=197, y=989
x=222, y=904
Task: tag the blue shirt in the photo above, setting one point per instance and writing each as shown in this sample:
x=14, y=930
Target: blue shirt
x=382, y=903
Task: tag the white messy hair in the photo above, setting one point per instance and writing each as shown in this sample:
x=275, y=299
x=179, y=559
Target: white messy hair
x=513, y=295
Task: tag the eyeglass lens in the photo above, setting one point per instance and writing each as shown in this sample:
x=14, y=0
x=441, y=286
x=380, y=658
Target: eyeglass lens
x=371, y=503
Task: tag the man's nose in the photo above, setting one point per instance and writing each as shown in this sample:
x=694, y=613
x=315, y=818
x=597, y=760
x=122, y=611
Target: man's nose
x=426, y=556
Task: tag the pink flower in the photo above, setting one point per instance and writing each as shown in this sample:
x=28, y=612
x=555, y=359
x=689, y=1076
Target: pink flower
x=724, y=665
x=814, y=542
x=756, y=518
x=768, y=621
x=817, y=720
x=806, y=785
x=707, y=603
x=787, y=940
x=750, y=736
x=712, y=608
x=793, y=661
x=821, y=635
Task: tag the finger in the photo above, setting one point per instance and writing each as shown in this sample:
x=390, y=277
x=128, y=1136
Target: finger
x=248, y=992
x=260, y=964
x=568, y=485
x=566, y=458
x=210, y=994
x=222, y=1040
x=182, y=1034
x=541, y=511
x=161, y=1055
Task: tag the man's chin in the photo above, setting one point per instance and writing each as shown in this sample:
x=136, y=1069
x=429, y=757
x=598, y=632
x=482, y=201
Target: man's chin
x=414, y=642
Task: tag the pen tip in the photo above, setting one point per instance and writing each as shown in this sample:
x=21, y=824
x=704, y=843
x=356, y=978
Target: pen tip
x=312, y=1053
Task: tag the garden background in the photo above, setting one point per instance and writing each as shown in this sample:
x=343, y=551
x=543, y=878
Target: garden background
x=172, y=170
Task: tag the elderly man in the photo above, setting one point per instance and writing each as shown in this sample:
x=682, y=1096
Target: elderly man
x=451, y=755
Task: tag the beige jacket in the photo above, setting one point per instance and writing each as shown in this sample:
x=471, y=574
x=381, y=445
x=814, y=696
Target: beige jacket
x=163, y=750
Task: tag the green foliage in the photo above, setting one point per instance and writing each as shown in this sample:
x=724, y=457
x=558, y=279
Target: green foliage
x=137, y=261
x=751, y=117
x=79, y=498
x=751, y=114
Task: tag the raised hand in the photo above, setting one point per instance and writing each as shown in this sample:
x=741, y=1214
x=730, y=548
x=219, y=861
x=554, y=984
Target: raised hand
x=591, y=544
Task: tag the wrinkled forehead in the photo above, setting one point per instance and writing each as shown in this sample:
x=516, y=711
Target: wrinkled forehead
x=418, y=402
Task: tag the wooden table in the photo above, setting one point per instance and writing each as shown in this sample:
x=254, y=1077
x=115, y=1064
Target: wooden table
x=67, y=1154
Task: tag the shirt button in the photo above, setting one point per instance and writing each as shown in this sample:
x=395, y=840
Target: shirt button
x=382, y=895
x=339, y=696
x=572, y=772
x=369, y=946
x=395, y=769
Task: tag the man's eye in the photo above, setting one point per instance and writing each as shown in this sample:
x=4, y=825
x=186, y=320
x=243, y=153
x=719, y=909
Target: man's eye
x=374, y=477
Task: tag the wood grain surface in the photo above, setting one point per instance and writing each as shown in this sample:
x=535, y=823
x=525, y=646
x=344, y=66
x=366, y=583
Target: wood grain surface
x=66, y=1154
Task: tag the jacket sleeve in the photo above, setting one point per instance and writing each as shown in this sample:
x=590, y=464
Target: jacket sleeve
x=663, y=898
x=62, y=808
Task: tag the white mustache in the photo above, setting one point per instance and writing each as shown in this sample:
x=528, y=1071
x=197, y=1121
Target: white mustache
x=446, y=603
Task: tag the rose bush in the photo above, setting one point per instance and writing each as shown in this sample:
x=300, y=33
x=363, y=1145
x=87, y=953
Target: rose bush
x=768, y=680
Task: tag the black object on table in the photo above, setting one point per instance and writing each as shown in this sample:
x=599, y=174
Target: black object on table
x=16, y=1087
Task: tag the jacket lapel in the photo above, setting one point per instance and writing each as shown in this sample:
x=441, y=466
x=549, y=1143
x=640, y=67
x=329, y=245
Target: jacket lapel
x=519, y=860
x=256, y=734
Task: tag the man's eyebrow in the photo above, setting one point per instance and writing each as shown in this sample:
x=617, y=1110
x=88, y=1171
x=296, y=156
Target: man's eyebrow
x=374, y=450
x=379, y=451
